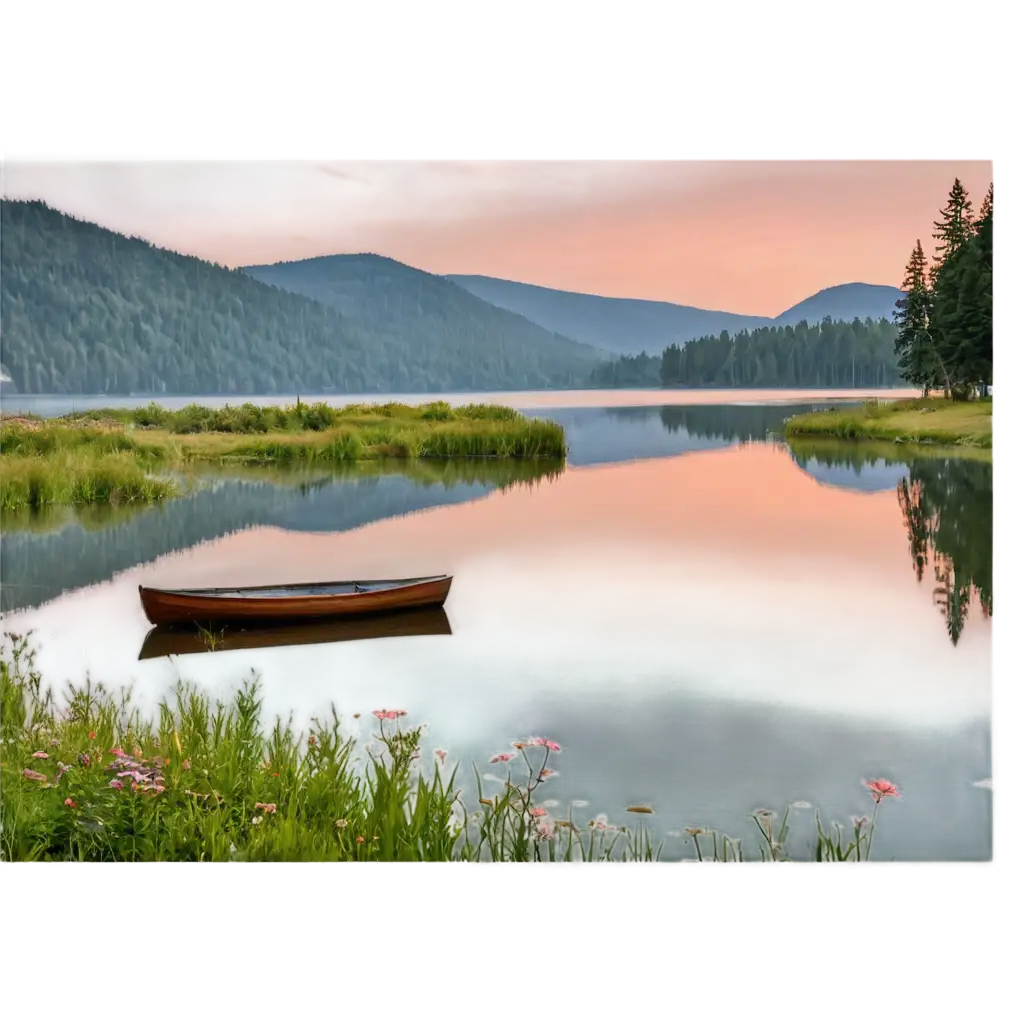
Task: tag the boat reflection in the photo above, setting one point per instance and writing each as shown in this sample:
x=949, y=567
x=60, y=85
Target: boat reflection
x=163, y=641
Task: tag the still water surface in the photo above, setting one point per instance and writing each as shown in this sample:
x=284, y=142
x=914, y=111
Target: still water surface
x=707, y=621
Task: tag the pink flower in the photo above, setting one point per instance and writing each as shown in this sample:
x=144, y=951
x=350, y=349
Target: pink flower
x=116, y=784
x=39, y=755
x=186, y=764
x=538, y=812
x=117, y=752
x=382, y=714
x=881, y=788
x=502, y=757
x=551, y=745
x=269, y=808
x=53, y=743
x=544, y=832
x=441, y=755
x=136, y=776
x=35, y=776
x=70, y=803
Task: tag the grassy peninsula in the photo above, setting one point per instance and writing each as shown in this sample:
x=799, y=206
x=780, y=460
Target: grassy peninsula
x=938, y=421
x=121, y=456
x=90, y=778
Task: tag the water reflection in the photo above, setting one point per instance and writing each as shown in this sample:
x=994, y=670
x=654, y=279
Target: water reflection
x=164, y=641
x=946, y=504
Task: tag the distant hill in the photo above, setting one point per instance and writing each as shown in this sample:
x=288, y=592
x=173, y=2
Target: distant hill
x=844, y=302
x=630, y=326
x=477, y=339
x=86, y=311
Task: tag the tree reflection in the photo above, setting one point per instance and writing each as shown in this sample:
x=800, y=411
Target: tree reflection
x=947, y=512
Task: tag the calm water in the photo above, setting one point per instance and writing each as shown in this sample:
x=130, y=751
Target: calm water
x=707, y=621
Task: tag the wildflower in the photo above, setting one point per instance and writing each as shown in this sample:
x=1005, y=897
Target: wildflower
x=502, y=757
x=356, y=715
x=83, y=759
x=544, y=830
x=62, y=770
x=274, y=774
x=135, y=775
x=92, y=735
x=550, y=744
x=269, y=808
x=441, y=755
x=257, y=819
x=695, y=831
x=340, y=823
x=538, y=812
x=639, y=809
x=70, y=803
x=53, y=743
x=39, y=755
x=360, y=840
x=34, y=776
x=116, y=751
x=312, y=740
x=116, y=784
x=382, y=714
x=546, y=773
x=859, y=822
x=762, y=813
x=137, y=752
x=881, y=788
x=186, y=764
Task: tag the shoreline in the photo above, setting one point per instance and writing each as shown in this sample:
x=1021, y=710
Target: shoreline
x=919, y=421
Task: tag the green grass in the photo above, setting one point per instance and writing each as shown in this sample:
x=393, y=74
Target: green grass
x=916, y=421
x=129, y=455
x=89, y=778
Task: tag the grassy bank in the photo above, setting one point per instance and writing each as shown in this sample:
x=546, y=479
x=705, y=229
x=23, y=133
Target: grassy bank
x=122, y=456
x=915, y=421
x=90, y=778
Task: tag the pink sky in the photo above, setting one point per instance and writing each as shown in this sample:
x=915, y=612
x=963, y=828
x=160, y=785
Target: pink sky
x=748, y=237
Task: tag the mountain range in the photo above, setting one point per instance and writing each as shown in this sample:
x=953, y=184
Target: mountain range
x=86, y=310
x=631, y=326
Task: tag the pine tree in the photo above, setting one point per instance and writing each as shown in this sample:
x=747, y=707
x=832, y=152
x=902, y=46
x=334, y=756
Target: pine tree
x=914, y=346
x=986, y=205
x=960, y=327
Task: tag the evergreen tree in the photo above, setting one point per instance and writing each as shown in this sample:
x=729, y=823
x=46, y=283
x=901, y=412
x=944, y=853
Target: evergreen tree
x=962, y=295
x=914, y=345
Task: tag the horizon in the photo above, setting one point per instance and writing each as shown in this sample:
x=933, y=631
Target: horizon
x=747, y=237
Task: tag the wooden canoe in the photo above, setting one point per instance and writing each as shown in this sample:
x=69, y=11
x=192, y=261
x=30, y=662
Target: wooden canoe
x=162, y=641
x=293, y=601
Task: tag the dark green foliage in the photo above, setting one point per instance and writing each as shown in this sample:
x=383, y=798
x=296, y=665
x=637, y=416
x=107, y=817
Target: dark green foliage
x=89, y=311
x=945, y=335
x=838, y=355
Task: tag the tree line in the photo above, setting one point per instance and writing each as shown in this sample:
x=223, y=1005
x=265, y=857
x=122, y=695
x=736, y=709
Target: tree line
x=836, y=354
x=945, y=318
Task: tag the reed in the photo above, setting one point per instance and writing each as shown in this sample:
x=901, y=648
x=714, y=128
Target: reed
x=123, y=455
x=89, y=778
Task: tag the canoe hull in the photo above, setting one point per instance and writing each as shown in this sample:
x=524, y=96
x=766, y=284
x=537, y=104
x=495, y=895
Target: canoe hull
x=291, y=604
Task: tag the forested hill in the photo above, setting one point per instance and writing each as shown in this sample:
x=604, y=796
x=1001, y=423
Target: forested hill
x=397, y=301
x=86, y=310
x=631, y=326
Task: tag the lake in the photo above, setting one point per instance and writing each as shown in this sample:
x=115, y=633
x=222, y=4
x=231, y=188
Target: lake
x=707, y=621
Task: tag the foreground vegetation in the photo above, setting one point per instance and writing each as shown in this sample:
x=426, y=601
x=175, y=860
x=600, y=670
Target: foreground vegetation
x=915, y=421
x=122, y=456
x=95, y=780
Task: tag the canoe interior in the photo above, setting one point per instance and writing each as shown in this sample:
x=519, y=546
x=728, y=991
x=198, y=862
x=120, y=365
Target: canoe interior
x=205, y=638
x=287, y=590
